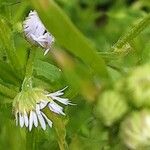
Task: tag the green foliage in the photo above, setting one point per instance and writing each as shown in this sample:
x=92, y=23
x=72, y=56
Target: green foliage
x=47, y=70
x=101, y=53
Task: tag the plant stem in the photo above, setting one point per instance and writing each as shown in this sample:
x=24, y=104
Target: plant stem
x=61, y=140
x=122, y=47
x=133, y=32
x=27, y=83
x=60, y=129
x=29, y=67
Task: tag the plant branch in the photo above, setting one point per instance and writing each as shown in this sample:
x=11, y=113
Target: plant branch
x=132, y=33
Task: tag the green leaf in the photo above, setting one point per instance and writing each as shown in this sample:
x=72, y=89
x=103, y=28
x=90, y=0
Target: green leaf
x=47, y=70
x=7, y=74
x=6, y=40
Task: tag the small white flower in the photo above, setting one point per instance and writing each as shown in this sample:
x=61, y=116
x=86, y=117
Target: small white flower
x=36, y=33
x=28, y=107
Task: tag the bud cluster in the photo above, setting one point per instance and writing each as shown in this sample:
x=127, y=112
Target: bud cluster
x=128, y=105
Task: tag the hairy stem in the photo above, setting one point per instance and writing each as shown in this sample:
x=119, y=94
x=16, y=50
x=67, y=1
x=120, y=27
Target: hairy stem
x=132, y=33
x=60, y=129
x=27, y=83
x=29, y=66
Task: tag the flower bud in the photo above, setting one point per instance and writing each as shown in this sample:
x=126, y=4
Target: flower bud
x=111, y=107
x=135, y=130
x=36, y=33
x=138, y=86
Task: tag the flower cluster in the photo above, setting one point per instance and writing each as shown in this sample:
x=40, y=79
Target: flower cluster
x=28, y=106
x=36, y=33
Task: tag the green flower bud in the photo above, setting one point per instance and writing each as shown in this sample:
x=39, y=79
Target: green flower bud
x=135, y=130
x=138, y=86
x=111, y=107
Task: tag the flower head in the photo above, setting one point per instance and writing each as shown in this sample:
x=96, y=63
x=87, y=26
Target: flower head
x=138, y=86
x=135, y=130
x=28, y=107
x=36, y=33
x=111, y=107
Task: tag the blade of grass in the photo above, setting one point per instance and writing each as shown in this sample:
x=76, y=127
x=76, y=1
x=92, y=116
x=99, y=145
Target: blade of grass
x=68, y=36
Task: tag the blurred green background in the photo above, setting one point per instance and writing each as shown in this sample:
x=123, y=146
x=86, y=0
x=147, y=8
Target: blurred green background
x=86, y=32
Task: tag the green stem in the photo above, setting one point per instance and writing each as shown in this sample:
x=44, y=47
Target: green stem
x=27, y=83
x=116, y=68
x=61, y=140
x=132, y=33
x=30, y=62
x=122, y=47
x=60, y=129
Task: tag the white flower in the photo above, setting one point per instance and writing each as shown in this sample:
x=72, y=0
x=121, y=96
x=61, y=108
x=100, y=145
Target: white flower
x=36, y=33
x=28, y=107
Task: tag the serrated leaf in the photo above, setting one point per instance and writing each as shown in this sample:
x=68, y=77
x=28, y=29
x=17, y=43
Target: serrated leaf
x=47, y=70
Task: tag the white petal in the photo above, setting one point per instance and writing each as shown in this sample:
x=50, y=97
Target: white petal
x=58, y=93
x=46, y=51
x=37, y=109
x=55, y=94
x=41, y=120
x=43, y=104
x=56, y=108
x=34, y=24
x=26, y=119
x=31, y=121
x=35, y=120
x=16, y=117
x=48, y=121
x=64, y=101
x=36, y=32
x=21, y=120
x=63, y=89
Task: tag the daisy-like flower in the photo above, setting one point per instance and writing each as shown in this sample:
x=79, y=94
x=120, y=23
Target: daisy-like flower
x=36, y=33
x=28, y=106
